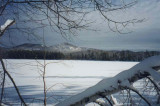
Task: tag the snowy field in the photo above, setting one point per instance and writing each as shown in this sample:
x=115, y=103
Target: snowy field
x=64, y=78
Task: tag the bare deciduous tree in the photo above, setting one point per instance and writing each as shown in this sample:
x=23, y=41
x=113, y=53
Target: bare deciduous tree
x=63, y=16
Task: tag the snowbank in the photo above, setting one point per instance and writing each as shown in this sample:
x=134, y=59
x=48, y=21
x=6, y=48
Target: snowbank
x=112, y=85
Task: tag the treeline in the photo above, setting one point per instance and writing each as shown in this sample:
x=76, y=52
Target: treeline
x=26, y=54
x=83, y=55
x=114, y=55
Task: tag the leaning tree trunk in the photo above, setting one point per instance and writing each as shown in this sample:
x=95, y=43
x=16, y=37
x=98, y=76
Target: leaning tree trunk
x=122, y=81
x=3, y=28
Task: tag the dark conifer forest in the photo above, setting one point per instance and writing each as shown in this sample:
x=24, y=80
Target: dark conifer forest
x=82, y=55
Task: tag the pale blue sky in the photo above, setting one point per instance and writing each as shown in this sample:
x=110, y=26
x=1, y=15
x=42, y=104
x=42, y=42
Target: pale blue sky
x=145, y=36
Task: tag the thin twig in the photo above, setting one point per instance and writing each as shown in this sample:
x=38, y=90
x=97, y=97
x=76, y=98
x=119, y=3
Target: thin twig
x=15, y=86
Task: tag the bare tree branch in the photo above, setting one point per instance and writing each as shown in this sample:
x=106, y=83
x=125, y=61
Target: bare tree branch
x=13, y=82
x=134, y=90
x=64, y=16
x=4, y=27
x=113, y=85
x=2, y=90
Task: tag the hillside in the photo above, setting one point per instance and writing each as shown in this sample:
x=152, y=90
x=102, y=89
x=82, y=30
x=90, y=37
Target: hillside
x=72, y=52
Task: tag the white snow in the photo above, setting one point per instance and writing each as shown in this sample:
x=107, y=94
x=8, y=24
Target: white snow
x=111, y=83
x=65, y=48
x=64, y=77
x=115, y=101
x=6, y=24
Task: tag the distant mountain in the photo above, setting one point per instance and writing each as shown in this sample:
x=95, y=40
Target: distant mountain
x=2, y=48
x=64, y=47
x=69, y=51
x=29, y=46
x=3, y=51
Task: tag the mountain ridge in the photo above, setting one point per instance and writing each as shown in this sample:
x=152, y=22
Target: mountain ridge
x=69, y=51
x=63, y=47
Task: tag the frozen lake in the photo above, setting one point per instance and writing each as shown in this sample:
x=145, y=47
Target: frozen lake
x=64, y=78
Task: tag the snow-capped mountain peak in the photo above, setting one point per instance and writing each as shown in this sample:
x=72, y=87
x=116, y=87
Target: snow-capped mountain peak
x=64, y=47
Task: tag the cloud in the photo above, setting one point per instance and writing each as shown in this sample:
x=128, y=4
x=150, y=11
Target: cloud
x=145, y=35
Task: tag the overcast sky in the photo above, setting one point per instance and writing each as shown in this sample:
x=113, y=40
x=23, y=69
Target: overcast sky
x=144, y=36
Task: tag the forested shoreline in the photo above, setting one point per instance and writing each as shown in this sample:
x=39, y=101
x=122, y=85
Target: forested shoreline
x=94, y=54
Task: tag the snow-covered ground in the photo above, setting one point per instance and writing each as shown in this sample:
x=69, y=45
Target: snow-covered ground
x=64, y=78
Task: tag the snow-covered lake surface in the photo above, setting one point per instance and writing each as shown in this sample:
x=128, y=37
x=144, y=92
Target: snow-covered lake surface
x=64, y=78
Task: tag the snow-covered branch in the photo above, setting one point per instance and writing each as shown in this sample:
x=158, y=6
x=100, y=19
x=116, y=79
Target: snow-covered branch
x=6, y=25
x=108, y=86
